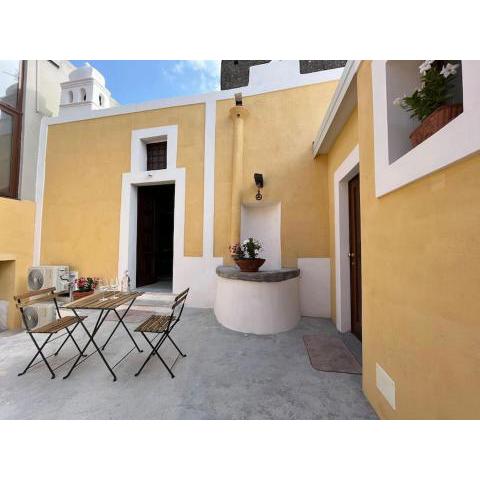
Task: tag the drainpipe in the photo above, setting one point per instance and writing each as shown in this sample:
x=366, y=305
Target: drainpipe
x=238, y=113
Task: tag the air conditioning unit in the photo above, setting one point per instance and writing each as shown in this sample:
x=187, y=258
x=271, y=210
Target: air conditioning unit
x=39, y=314
x=48, y=276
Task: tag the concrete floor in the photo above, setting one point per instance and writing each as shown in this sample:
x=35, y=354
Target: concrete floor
x=226, y=375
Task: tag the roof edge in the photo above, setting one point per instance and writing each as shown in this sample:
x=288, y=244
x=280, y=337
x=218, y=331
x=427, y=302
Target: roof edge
x=331, y=116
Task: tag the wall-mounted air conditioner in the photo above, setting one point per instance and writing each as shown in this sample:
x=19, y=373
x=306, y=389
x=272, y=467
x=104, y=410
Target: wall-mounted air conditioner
x=39, y=314
x=48, y=276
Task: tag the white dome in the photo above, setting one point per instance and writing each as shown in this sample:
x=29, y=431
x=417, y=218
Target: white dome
x=85, y=72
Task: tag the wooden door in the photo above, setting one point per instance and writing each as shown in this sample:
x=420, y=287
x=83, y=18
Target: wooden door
x=145, y=236
x=355, y=255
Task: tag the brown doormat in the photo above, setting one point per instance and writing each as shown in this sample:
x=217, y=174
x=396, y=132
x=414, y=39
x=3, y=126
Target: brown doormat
x=328, y=353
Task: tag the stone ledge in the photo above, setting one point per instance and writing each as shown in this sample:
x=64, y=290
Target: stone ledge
x=234, y=273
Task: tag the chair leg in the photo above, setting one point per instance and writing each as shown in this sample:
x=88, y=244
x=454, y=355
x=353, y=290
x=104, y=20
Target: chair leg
x=175, y=345
x=155, y=352
x=39, y=353
x=69, y=335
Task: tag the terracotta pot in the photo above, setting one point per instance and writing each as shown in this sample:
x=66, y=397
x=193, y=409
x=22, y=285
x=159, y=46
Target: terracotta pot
x=78, y=294
x=434, y=122
x=249, y=264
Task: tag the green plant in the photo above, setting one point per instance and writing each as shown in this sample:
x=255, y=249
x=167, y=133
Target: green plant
x=437, y=78
x=251, y=247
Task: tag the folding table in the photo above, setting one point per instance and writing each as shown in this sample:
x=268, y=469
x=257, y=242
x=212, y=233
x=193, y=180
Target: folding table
x=104, y=302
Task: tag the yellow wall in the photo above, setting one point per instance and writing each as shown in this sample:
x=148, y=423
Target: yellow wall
x=17, y=219
x=278, y=137
x=344, y=144
x=421, y=278
x=84, y=165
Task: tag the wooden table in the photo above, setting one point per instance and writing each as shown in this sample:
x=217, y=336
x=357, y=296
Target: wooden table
x=105, y=302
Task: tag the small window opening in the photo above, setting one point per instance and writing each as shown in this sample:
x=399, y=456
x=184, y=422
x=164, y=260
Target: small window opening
x=83, y=95
x=157, y=156
x=70, y=96
x=100, y=100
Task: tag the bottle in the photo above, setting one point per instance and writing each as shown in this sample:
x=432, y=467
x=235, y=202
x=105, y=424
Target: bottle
x=126, y=282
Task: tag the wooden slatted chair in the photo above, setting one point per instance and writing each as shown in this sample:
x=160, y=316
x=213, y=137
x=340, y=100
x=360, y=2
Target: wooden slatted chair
x=162, y=326
x=24, y=303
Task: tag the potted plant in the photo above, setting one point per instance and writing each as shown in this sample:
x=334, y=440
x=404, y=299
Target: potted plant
x=431, y=103
x=245, y=255
x=85, y=286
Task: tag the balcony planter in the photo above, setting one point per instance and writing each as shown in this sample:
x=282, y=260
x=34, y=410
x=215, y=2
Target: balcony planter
x=434, y=122
x=249, y=264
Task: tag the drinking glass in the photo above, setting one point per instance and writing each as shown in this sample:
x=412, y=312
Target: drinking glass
x=103, y=287
x=114, y=286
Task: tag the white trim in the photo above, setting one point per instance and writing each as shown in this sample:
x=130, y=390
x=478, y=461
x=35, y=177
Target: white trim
x=39, y=190
x=334, y=108
x=140, y=138
x=301, y=81
x=139, y=176
x=456, y=141
x=209, y=178
x=347, y=170
x=127, y=250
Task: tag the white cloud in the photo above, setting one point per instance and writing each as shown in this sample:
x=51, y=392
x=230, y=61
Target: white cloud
x=196, y=76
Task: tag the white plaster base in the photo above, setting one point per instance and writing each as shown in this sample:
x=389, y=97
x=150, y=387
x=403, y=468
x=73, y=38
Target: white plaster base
x=262, y=308
x=315, y=287
x=199, y=275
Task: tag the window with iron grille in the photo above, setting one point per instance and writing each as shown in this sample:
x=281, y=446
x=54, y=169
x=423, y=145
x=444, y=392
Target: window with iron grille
x=156, y=156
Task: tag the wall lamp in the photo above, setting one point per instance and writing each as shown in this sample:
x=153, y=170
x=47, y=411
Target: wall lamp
x=258, y=177
x=238, y=99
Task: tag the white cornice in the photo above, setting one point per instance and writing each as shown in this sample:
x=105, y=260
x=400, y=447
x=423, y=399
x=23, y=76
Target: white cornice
x=336, y=115
x=301, y=81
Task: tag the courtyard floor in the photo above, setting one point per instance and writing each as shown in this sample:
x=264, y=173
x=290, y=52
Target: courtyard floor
x=226, y=375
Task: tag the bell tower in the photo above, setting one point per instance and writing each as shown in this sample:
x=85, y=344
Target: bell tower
x=84, y=91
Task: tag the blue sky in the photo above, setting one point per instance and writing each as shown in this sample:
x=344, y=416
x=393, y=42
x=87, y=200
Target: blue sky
x=135, y=81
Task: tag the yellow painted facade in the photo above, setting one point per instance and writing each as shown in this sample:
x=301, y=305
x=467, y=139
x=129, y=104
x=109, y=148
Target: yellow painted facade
x=17, y=220
x=278, y=136
x=420, y=277
x=420, y=274
x=84, y=165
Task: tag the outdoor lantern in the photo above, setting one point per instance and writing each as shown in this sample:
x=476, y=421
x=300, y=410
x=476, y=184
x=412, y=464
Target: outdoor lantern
x=258, y=177
x=238, y=99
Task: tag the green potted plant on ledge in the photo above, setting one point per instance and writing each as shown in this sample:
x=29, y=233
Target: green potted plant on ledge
x=245, y=255
x=432, y=102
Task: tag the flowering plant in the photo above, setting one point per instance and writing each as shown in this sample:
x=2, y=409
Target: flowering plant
x=86, y=284
x=248, y=248
x=437, y=81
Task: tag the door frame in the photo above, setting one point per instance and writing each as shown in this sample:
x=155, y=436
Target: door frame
x=343, y=174
x=138, y=176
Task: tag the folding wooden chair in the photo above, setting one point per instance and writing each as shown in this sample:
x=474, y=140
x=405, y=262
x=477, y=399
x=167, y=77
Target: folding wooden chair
x=162, y=325
x=30, y=320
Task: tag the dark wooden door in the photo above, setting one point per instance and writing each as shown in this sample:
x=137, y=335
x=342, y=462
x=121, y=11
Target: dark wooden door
x=355, y=255
x=145, y=237
x=155, y=218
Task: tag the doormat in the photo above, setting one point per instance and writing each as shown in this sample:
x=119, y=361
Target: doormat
x=328, y=353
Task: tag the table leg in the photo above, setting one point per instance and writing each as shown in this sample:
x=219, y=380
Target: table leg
x=95, y=330
x=120, y=321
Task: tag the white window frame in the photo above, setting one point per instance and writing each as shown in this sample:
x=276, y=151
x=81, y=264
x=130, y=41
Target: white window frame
x=457, y=140
x=139, y=176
